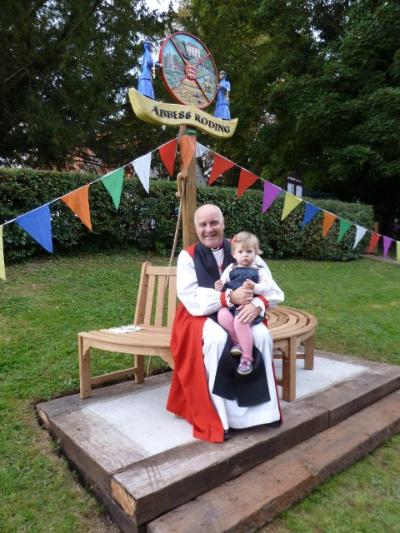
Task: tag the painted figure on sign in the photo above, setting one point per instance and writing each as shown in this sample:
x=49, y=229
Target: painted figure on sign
x=222, y=102
x=145, y=84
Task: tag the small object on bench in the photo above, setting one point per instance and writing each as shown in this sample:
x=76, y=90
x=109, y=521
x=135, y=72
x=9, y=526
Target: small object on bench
x=155, y=313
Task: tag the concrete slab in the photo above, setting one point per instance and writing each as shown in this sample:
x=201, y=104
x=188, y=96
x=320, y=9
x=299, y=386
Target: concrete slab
x=144, y=461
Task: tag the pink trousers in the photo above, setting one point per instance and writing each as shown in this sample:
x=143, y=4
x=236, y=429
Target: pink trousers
x=240, y=333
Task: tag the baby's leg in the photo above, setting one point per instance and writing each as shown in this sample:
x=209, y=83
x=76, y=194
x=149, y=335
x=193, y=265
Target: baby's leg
x=245, y=338
x=225, y=319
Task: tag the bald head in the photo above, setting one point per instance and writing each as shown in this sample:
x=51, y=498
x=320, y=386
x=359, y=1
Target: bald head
x=209, y=225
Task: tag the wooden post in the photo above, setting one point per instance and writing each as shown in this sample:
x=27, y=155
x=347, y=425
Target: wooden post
x=189, y=201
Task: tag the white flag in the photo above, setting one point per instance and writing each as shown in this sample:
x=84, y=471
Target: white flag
x=200, y=150
x=142, y=169
x=360, y=232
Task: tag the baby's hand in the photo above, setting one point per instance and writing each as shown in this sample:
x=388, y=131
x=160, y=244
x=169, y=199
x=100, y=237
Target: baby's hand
x=248, y=284
x=218, y=285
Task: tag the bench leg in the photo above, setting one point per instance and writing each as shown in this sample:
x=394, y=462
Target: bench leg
x=309, y=346
x=289, y=373
x=85, y=372
x=139, y=364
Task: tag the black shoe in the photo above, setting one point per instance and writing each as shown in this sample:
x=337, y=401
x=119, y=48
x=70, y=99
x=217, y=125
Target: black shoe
x=227, y=434
x=275, y=424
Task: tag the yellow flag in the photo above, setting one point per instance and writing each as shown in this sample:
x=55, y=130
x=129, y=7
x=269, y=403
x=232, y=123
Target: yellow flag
x=291, y=201
x=398, y=250
x=2, y=268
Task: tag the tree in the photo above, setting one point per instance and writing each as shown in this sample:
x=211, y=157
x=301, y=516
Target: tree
x=64, y=80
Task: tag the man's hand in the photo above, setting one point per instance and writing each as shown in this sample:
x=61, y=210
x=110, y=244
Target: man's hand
x=241, y=296
x=248, y=313
x=218, y=286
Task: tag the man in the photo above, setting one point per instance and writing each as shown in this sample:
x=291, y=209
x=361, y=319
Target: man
x=203, y=389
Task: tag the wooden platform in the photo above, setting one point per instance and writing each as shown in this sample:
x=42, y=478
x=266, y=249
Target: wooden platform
x=143, y=463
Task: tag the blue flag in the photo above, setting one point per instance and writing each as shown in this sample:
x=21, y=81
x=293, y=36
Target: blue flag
x=309, y=213
x=38, y=224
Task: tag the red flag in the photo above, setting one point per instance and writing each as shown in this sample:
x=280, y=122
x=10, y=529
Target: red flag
x=220, y=165
x=373, y=242
x=329, y=219
x=246, y=180
x=168, y=153
x=78, y=202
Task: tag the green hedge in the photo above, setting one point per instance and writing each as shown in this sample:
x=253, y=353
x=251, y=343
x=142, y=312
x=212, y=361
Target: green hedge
x=147, y=221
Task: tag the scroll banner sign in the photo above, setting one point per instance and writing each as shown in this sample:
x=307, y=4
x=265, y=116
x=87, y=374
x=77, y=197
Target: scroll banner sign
x=176, y=114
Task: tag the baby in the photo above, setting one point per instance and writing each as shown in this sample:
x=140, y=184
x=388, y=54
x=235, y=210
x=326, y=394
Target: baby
x=247, y=272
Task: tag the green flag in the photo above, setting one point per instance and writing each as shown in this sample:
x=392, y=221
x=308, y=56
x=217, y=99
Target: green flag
x=113, y=183
x=343, y=228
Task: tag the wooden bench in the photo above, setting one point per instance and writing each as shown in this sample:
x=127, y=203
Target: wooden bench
x=155, y=312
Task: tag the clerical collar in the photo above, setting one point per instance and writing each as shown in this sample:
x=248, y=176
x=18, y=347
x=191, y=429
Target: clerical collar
x=218, y=247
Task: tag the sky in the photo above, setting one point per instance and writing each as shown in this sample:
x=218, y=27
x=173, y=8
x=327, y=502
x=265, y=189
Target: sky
x=161, y=5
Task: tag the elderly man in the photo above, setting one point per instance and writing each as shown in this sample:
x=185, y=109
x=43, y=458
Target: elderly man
x=205, y=388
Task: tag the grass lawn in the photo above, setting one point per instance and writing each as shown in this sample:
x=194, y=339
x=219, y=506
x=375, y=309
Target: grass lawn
x=46, y=302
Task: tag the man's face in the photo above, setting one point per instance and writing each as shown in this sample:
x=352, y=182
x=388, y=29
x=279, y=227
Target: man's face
x=209, y=226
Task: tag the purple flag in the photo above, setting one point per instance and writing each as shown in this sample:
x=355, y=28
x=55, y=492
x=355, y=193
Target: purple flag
x=387, y=241
x=271, y=191
x=38, y=224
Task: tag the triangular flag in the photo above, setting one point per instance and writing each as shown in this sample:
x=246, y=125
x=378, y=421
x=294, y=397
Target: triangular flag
x=246, y=180
x=271, y=191
x=187, y=145
x=387, y=241
x=398, y=250
x=291, y=201
x=2, y=267
x=201, y=150
x=373, y=242
x=343, y=228
x=360, y=232
x=78, y=202
x=142, y=169
x=168, y=154
x=309, y=213
x=113, y=183
x=38, y=224
x=329, y=219
x=220, y=165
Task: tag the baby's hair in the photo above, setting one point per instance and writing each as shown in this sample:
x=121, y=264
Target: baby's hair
x=246, y=239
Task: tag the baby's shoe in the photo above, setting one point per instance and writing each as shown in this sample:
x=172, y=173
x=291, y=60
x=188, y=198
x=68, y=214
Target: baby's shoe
x=245, y=367
x=236, y=350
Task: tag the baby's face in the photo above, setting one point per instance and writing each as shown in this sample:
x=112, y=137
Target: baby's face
x=244, y=255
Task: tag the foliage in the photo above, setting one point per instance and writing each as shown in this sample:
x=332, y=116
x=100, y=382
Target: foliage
x=65, y=71
x=147, y=221
x=44, y=305
x=315, y=85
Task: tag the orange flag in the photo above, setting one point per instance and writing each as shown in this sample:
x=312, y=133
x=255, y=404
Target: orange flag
x=187, y=145
x=327, y=223
x=78, y=202
x=246, y=180
x=220, y=165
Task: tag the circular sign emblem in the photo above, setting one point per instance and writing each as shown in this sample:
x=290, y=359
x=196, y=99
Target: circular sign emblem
x=188, y=70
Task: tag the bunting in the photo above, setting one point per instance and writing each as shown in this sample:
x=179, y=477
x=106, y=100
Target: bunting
x=327, y=223
x=291, y=201
x=309, y=213
x=168, y=155
x=78, y=202
x=38, y=224
x=113, y=183
x=387, y=241
x=373, y=242
x=270, y=194
x=344, y=226
x=2, y=267
x=246, y=180
x=187, y=145
x=201, y=150
x=220, y=165
x=142, y=169
x=398, y=250
x=360, y=232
